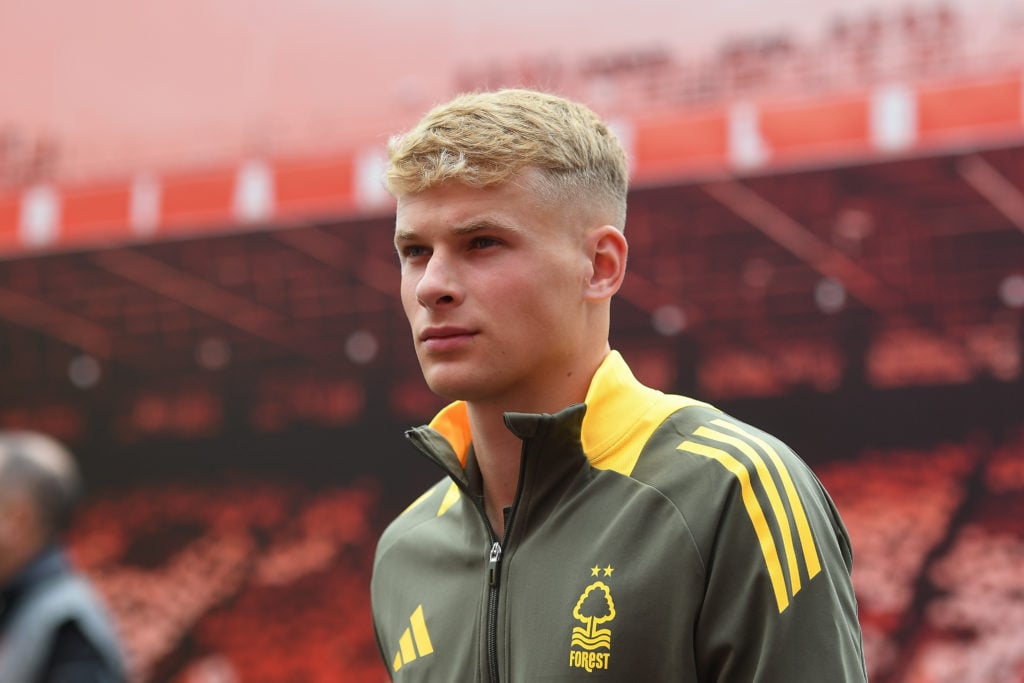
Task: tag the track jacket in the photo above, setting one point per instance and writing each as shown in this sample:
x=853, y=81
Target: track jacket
x=652, y=538
x=47, y=598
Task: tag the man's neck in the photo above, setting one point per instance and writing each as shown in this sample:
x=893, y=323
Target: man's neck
x=499, y=451
x=498, y=454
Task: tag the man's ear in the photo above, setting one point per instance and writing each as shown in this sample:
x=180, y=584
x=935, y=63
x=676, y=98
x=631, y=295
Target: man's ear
x=607, y=250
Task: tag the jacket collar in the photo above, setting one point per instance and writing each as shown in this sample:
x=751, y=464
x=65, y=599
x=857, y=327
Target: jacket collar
x=49, y=562
x=617, y=406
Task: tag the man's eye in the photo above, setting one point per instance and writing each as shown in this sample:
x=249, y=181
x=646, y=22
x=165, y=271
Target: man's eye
x=412, y=251
x=483, y=242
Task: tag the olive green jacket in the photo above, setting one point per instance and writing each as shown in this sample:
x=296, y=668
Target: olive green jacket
x=652, y=538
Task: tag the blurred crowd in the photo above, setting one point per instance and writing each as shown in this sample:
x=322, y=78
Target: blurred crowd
x=243, y=582
x=938, y=537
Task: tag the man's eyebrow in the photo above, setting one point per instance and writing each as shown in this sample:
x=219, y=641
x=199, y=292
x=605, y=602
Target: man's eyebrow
x=404, y=235
x=410, y=235
x=482, y=224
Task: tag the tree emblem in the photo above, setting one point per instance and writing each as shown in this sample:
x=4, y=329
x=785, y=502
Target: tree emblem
x=594, y=607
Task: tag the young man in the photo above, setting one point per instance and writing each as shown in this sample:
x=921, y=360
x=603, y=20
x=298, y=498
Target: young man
x=587, y=527
x=53, y=628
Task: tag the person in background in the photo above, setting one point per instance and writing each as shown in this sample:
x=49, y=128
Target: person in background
x=53, y=627
x=587, y=526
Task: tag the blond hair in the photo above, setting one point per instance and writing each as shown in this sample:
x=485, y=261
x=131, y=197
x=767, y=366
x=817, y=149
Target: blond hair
x=489, y=138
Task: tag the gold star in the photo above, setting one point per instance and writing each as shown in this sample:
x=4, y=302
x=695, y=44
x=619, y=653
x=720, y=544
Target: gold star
x=608, y=570
x=594, y=571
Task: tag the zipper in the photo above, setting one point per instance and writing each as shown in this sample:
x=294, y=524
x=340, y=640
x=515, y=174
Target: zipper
x=493, y=581
x=494, y=557
x=493, y=576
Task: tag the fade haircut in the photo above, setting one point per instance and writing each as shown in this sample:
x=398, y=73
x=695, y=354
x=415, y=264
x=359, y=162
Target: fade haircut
x=489, y=138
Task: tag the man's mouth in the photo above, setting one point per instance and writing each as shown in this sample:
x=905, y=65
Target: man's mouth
x=445, y=338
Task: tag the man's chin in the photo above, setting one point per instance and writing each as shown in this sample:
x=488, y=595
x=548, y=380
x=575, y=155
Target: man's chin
x=449, y=392
x=454, y=387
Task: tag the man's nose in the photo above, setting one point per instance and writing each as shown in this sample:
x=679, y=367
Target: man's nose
x=437, y=286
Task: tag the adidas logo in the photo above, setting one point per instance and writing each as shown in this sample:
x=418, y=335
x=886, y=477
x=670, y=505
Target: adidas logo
x=415, y=641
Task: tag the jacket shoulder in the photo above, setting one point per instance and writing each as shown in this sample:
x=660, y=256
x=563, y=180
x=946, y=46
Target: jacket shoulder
x=720, y=471
x=432, y=503
x=696, y=437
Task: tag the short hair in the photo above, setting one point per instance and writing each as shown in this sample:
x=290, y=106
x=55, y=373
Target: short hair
x=488, y=138
x=42, y=468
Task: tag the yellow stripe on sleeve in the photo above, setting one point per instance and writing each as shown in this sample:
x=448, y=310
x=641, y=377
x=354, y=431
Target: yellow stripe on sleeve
x=764, y=534
x=773, y=496
x=799, y=515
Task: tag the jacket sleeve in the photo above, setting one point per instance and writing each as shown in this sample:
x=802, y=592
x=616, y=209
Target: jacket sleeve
x=779, y=603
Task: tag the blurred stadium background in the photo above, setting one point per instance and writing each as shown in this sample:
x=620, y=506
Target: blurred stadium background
x=198, y=294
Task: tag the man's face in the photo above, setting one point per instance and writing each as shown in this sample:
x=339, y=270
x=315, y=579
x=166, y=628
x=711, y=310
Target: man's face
x=18, y=539
x=492, y=284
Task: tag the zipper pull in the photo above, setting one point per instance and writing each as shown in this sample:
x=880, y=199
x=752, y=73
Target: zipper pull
x=492, y=564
